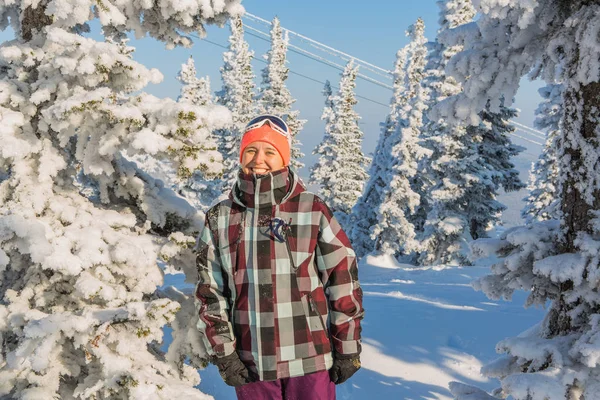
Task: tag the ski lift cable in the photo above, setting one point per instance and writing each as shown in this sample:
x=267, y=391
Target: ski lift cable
x=523, y=130
x=363, y=97
x=542, y=133
x=346, y=57
x=534, y=131
x=524, y=138
x=267, y=38
x=528, y=135
x=318, y=58
x=322, y=47
x=294, y=72
x=388, y=75
x=316, y=43
x=336, y=87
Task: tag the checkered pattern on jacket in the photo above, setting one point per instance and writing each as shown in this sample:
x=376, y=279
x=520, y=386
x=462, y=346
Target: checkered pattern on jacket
x=282, y=304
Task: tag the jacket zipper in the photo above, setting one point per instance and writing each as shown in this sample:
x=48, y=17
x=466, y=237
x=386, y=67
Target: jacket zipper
x=313, y=307
x=254, y=271
x=289, y=250
x=241, y=232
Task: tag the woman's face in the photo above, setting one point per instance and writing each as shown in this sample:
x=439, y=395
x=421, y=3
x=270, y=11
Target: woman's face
x=260, y=158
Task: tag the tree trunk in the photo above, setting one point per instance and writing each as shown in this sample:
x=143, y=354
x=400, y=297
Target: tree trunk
x=475, y=229
x=581, y=104
x=581, y=107
x=34, y=19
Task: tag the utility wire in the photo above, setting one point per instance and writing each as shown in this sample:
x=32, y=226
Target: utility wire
x=293, y=72
x=518, y=126
x=524, y=138
x=525, y=129
x=542, y=133
x=534, y=132
x=321, y=45
x=317, y=58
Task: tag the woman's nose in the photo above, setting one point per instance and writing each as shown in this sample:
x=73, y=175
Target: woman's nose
x=259, y=157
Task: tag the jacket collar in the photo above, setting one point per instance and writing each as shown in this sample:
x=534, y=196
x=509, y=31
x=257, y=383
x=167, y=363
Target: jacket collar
x=255, y=191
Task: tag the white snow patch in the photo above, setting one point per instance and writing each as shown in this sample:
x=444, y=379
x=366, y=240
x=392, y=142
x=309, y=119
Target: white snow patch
x=400, y=295
x=383, y=261
x=421, y=372
x=407, y=282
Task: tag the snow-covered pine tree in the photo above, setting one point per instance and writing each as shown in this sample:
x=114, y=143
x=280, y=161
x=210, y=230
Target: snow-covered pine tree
x=394, y=231
x=79, y=317
x=194, y=90
x=452, y=14
x=198, y=190
x=557, y=262
x=321, y=171
x=274, y=97
x=475, y=165
x=453, y=166
x=542, y=202
x=237, y=94
x=457, y=173
x=495, y=151
x=346, y=162
x=364, y=213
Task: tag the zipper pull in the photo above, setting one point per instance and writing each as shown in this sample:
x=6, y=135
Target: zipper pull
x=310, y=302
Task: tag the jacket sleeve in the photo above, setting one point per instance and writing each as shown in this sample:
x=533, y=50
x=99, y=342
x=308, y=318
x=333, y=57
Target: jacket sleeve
x=337, y=266
x=213, y=297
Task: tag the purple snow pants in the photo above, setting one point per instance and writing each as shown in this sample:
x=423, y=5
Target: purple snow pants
x=316, y=386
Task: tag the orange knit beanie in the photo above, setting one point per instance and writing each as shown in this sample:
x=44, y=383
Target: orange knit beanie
x=267, y=134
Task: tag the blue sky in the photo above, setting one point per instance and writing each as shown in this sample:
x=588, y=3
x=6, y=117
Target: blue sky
x=372, y=31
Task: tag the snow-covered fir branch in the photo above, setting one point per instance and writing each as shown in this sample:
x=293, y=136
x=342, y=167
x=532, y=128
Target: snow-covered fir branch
x=81, y=227
x=198, y=188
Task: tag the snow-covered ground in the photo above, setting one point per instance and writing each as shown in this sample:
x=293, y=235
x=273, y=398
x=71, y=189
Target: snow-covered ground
x=427, y=327
x=423, y=328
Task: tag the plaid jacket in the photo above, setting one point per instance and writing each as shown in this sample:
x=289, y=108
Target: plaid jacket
x=278, y=279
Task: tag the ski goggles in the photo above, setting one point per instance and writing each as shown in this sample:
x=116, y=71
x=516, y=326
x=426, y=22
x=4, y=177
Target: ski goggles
x=274, y=122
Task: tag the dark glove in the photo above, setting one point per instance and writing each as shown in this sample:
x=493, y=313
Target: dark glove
x=344, y=366
x=232, y=370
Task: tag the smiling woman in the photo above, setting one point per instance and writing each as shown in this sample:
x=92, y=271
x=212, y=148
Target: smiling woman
x=279, y=300
x=266, y=145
